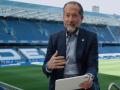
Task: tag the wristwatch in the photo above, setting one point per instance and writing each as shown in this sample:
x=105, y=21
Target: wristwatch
x=90, y=75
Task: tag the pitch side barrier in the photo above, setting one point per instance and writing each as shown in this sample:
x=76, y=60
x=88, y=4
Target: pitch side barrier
x=21, y=56
x=113, y=85
x=109, y=56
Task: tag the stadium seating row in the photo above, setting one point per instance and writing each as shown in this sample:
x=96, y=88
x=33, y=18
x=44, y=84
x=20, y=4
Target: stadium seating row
x=21, y=56
x=36, y=30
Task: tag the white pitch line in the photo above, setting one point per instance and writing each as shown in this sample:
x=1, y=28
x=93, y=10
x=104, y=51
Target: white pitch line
x=8, y=86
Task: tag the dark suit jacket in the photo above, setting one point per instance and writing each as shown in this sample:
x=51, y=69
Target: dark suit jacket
x=86, y=55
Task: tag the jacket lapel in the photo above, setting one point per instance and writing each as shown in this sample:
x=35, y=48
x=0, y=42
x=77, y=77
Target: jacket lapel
x=62, y=44
x=81, y=40
x=61, y=47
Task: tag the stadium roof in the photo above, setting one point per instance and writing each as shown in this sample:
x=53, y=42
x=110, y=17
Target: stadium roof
x=33, y=11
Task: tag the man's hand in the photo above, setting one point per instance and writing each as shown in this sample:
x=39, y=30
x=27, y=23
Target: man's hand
x=87, y=84
x=56, y=62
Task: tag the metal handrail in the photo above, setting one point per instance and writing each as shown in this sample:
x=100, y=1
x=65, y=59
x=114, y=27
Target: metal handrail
x=113, y=85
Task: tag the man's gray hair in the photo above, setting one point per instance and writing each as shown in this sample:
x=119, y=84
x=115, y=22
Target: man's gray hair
x=74, y=2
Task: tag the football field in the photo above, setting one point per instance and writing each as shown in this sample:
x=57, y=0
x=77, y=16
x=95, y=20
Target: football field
x=32, y=77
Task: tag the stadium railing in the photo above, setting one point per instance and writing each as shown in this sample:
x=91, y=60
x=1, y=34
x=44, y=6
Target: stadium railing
x=111, y=85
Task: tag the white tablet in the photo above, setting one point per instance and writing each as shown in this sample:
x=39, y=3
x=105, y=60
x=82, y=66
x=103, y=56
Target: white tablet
x=70, y=83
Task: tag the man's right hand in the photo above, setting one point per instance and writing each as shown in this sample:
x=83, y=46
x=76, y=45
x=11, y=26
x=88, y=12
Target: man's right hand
x=56, y=62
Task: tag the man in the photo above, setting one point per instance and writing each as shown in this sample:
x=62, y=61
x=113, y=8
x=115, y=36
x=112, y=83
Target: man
x=72, y=52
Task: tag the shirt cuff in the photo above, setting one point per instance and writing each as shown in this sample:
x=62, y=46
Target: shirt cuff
x=48, y=70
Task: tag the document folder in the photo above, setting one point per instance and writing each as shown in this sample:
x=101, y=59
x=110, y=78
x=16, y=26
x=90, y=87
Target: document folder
x=72, y=83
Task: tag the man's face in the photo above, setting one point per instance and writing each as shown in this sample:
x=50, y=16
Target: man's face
x=72, y=18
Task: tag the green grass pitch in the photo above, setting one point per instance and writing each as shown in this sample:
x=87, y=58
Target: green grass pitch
x=32, y=77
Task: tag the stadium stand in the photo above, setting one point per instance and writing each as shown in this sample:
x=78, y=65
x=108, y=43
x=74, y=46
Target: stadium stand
x=23, y=29
x=36, y=30
x=22, y=56
x=116, y=31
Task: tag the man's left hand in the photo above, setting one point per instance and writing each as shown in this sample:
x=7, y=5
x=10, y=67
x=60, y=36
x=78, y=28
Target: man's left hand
x=87, y=84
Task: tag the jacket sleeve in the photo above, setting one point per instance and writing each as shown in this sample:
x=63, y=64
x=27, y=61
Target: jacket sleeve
x=50, y=52
x=93, y=57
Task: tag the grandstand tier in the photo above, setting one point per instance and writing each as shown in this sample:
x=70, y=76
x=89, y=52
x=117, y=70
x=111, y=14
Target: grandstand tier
x=24, y=32
x=21, y=56
x=16, y=30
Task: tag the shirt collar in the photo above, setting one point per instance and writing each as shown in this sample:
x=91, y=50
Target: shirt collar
x=75, y=34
